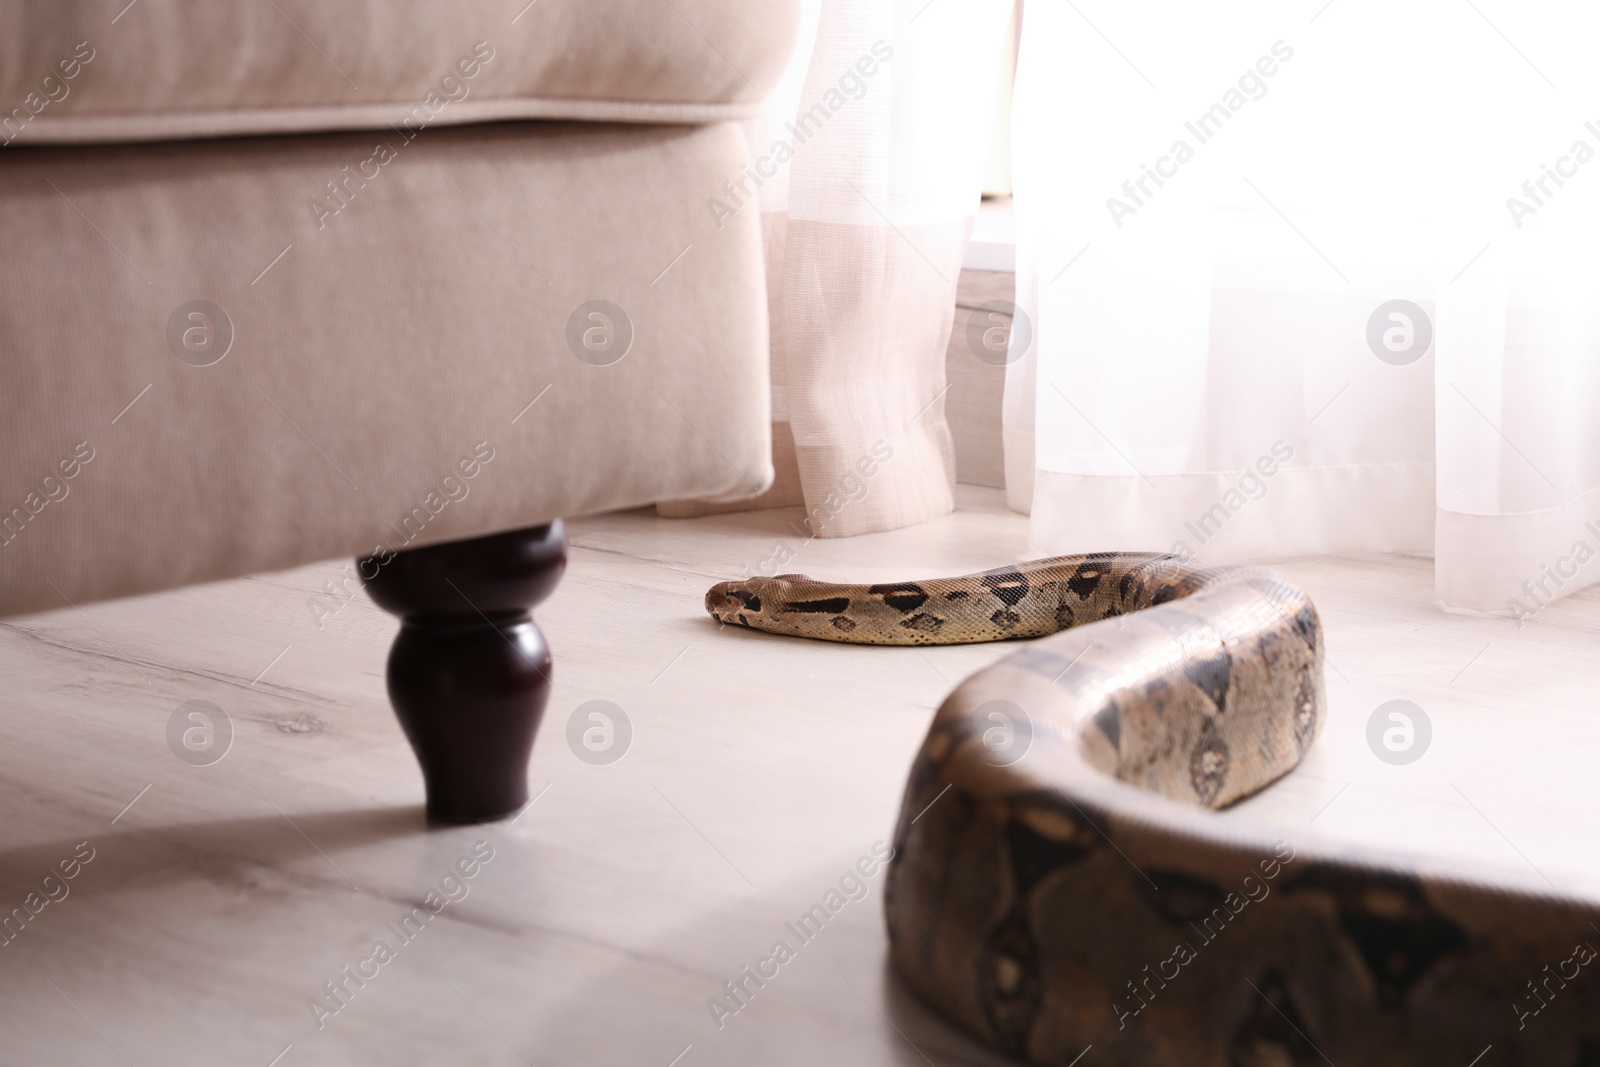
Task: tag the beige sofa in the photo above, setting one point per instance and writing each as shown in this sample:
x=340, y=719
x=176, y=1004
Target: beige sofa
x=290, y=281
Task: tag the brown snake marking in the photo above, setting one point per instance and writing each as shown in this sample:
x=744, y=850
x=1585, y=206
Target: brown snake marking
x=1081, y=892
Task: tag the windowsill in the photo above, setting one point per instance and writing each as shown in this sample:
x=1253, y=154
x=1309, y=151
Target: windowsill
x=994, y=238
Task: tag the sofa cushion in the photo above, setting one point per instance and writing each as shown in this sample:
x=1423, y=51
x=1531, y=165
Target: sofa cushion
x=110, y=70
x=202, y=377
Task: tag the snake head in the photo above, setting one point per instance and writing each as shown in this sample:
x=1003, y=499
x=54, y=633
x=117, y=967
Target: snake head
x=736, y=603
x=728, y=601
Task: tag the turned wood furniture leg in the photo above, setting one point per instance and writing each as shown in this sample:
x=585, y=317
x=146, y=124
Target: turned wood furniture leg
x=469, y=673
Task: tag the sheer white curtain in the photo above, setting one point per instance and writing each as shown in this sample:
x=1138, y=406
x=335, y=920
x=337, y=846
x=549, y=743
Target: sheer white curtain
x=1291, y=295
x=871, y=162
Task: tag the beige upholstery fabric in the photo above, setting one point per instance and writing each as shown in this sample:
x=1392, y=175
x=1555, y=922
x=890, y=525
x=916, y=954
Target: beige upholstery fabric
x=379, y=351
x=100, y=70
x=784, y=492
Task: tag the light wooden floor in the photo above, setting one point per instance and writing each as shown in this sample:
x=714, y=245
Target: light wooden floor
x=624, y=897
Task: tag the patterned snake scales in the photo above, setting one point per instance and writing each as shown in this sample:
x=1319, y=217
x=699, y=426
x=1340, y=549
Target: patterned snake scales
x=1059, y=884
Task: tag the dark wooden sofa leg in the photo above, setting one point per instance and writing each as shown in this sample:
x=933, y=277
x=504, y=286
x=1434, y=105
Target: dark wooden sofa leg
x=469, y=673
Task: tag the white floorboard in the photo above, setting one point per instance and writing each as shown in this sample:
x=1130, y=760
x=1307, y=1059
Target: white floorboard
x=623, y=898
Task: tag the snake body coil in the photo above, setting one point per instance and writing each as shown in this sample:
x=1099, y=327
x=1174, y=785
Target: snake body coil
x=1060, y=884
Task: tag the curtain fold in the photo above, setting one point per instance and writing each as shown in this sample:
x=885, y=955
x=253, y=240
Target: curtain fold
x=1283, y=306
x=1295, y=285
x=872, y=156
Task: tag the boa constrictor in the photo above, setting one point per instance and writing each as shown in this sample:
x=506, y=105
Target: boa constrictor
x=1060, y=885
